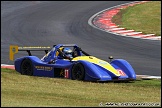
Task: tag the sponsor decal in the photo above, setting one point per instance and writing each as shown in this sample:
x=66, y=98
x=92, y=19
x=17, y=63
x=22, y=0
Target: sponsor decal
x=33, y=47
x=62, y=73
x=44, y=68
x=121, y=72
x=102, y=62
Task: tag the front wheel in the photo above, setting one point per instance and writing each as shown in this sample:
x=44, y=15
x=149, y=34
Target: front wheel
x=26, y=67
x=78, y=72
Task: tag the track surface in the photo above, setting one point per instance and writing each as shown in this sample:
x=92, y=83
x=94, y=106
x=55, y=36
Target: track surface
x=35, y=23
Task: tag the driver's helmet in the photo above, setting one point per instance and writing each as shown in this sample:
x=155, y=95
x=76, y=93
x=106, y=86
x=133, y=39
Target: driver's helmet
x=67, y=52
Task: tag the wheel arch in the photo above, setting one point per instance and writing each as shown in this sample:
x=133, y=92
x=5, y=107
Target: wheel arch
x=91, y=71
x=83, y=68
x=18, y=62
x=26, y=64
x=125, y=66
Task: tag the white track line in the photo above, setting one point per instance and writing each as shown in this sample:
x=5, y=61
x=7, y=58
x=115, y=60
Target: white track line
x=6, y=65
x=116, y=29
x=124, y=31
x=133, y=33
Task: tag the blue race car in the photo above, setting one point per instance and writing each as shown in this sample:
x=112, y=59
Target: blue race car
x=71, y=62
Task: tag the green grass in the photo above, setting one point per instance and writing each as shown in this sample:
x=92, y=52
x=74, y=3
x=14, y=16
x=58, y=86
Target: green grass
x=145, y=18
x=21, y=90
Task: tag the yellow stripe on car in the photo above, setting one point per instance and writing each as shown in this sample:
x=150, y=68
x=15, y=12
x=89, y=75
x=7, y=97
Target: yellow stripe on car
x=99, y=62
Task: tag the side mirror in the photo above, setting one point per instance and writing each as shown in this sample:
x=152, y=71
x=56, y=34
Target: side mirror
x=110, y=58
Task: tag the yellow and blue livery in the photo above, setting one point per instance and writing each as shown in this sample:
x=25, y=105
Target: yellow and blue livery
x=81, y=66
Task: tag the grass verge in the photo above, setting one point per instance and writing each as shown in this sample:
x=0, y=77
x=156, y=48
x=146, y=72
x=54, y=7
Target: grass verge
x=21, y=91
x=145, y=18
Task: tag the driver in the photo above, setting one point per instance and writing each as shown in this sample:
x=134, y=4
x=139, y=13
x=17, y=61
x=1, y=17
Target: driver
x=68, y=53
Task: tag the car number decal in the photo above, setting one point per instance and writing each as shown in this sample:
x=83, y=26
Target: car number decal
x=66, y=73
x=121, y=72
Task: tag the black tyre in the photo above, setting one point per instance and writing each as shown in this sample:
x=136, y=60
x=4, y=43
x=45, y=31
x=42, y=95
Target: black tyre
x=26, y=67
x=78, y=72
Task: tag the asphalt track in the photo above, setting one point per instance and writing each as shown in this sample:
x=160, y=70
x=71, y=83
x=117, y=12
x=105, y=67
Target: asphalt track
x=45, y=23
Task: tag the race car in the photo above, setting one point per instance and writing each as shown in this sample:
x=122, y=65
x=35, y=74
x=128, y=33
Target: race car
x=79, y=66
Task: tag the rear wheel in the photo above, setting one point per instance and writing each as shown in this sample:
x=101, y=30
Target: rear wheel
x=26, y=67
x=78, y=72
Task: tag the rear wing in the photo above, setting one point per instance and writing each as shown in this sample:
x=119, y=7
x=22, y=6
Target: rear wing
x=14, y=49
